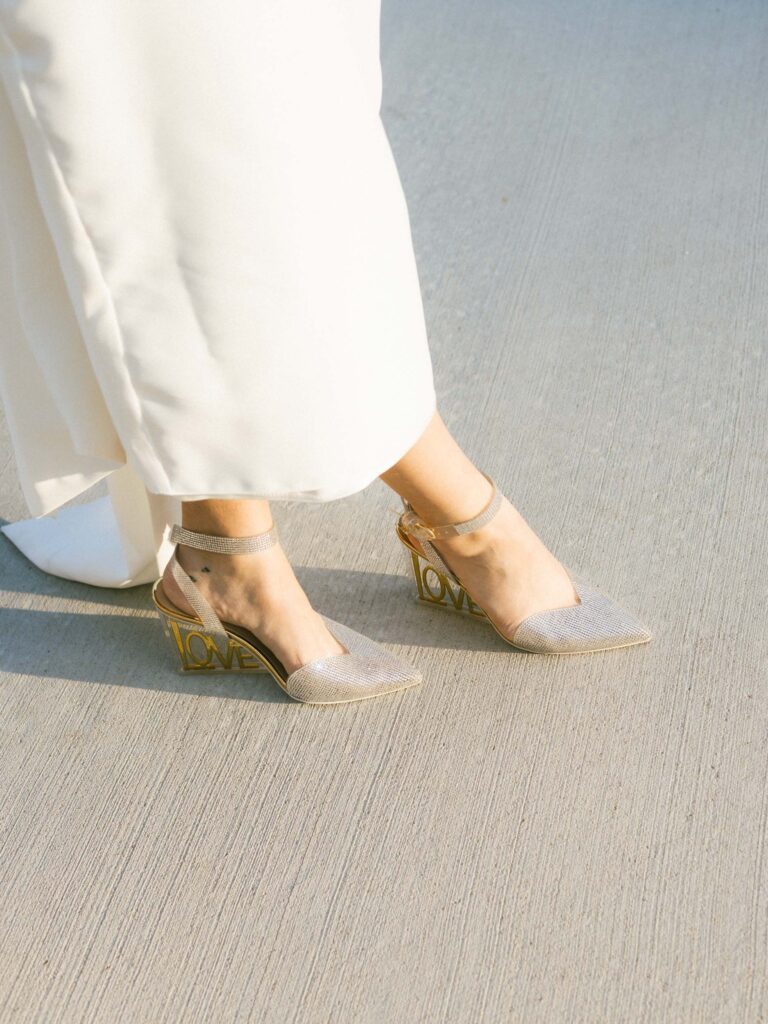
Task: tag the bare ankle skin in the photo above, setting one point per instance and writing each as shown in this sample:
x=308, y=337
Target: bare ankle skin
x=506, y=568
x=259, y=591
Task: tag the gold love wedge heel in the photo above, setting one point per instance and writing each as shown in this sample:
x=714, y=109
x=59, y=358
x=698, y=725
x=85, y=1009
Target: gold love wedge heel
x=204, y=643
x=596, y=623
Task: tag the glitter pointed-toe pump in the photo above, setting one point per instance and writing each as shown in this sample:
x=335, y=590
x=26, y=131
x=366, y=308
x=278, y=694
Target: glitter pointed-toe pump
x=204, y=643
x=596, y=623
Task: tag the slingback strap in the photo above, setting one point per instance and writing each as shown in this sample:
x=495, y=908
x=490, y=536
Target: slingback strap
x=200, y=606
x=217, y=545
x=224, y=545
x=411, y=523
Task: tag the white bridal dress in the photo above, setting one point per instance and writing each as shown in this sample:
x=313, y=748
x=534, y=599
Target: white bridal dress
x=207, y=279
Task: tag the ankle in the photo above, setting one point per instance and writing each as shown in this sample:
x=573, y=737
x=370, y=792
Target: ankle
x=227, y=517
x=507, y=525
x=213, y=565
x=454, y=504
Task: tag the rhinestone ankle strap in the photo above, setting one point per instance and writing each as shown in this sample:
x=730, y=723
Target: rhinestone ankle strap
x=224, y=545
x=411, y=523
x=220, y=546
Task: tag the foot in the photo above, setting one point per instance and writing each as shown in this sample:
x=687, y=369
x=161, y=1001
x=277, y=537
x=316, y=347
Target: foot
x=508, y=570
x=260, y=592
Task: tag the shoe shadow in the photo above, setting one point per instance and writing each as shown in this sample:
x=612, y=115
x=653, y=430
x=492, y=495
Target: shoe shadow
x=118, y=650
x=386, y=608
x=56, y=637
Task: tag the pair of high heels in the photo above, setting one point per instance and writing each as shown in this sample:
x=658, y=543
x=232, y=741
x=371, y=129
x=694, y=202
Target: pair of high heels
x=366, y=669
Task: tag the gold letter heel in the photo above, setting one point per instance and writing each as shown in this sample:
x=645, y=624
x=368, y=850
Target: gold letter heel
x=204, y=643
x=595, y=624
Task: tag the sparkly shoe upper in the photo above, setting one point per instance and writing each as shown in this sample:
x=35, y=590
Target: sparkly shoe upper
x=366, y=669
x=596, y=623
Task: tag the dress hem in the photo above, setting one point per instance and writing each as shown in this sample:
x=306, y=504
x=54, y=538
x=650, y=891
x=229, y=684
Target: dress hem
x=310, y=495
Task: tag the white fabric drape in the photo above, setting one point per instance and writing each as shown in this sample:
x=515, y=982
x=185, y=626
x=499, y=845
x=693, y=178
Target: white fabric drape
x=207, y=279
x=118, y=540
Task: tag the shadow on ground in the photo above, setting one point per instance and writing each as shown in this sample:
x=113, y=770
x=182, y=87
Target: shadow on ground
x=126, y=646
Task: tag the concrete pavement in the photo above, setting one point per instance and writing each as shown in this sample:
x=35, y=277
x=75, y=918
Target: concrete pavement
x=520, y=839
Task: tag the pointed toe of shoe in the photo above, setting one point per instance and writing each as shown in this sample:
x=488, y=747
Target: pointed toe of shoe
x=367, y=670
x=596, y=624
x=348, y=677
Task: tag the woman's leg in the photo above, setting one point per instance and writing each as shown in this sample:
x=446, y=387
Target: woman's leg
x=258, y=591
x=506, y=568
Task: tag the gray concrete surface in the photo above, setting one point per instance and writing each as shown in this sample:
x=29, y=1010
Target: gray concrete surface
x=521, y=839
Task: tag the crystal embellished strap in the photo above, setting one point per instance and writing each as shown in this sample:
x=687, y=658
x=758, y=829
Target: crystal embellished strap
x=411, y=523
x=224, y=545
